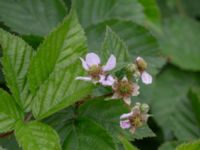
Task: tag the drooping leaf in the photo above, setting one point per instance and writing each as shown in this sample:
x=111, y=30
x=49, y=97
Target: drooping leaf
x=36, y=136
x=35, y=17
x=85, y=134
x=54, y=68
x=189, y=146
x=114, y=45
x=92, y=12
x=15, y=61
x=139, y=40
x=171, y=108
x=9, y=112
x=180, y=42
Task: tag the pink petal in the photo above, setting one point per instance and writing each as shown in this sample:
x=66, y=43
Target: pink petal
x=92, y=59
x=111, y=63
x=84, y=78
x=125, y=124
x=125, y=116
x=107, y=80
x=146, y=78
x=84, y=64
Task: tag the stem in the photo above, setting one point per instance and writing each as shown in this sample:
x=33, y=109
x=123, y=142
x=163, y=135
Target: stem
x=180, y=8
x=3, y=135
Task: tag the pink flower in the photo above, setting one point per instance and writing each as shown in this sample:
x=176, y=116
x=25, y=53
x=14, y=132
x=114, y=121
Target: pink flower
x=125, y=89
x=142, y=65
x=136, y=118
x=98, y=73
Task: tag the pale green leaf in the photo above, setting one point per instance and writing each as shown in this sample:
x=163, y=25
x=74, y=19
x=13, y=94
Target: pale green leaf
x=92, y=12
x=9, y=112
x=181, y=42
x=139, y=40
x=85, y=134
x=16, y=57
x=54, y=68
x=35, y=17
x=189, y=146
x=36, y=136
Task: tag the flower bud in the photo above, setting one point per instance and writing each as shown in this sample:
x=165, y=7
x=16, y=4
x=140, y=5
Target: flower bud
x=144, y=108
x=141, y=64
x=132, y=68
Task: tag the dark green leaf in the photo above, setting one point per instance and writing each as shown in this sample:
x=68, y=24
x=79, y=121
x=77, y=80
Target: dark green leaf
x=35, y=17
x=85, y=134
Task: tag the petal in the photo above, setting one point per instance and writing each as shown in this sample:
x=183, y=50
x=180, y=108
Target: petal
x=136, y=90
x=107, y=80
x=84, y=78
x=146, y=78
x=92, y=59
x=115, y=96
x=111, y=63
x=125, y=124
x=132, y=130
x=127, y=100
x=125, y=116
x=139, y=58
x=124, y=78
x=84, y=64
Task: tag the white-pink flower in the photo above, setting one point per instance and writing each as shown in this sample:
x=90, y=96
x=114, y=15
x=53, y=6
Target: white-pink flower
x=142, y=65
x=124, y=89
x=98, y=73
x=136, y=118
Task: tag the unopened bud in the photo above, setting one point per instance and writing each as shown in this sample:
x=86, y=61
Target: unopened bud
x=141, y=63
x=144, y=108
x=132, y=68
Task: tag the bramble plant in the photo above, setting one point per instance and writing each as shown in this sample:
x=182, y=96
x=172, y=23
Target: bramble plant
x=98, y=74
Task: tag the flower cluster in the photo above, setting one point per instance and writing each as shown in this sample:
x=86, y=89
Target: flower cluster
x=123, y=88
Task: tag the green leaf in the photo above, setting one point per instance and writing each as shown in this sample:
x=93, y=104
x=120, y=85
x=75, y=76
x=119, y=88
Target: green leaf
x=85, y=134
x=114, y=45
x=143, y=132
x=106, y=113
x=127, y=145
x=9, y=143
x=171, y=108
x=189, y=146
x=181, y=46
x=151, y=11
x=54, y=68
x=36, y=136
x=194, y=97
x=9, y=112
x=15, y=61
x=139, y=40
x=92, y=12
x=35, y=17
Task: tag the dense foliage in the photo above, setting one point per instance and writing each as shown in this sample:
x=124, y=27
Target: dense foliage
x=44, y=107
